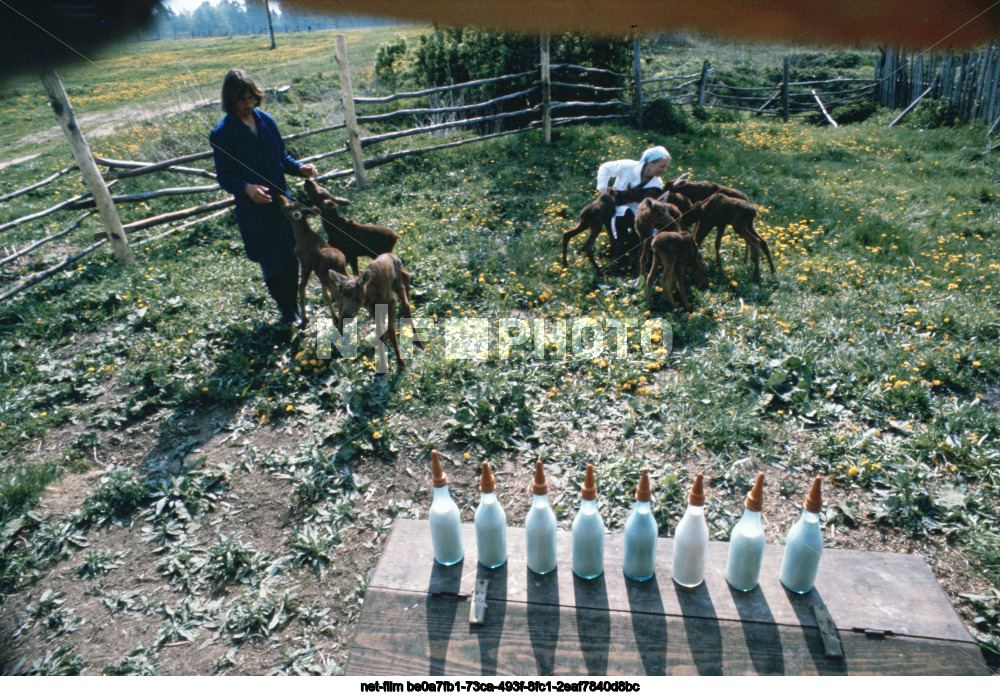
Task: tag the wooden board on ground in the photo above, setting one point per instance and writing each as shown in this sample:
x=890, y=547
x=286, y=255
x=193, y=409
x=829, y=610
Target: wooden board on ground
x=891, y=617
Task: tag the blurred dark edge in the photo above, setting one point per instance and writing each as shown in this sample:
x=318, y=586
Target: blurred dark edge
x=35, y=34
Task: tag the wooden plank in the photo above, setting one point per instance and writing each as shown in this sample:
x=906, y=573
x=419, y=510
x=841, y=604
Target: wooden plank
x=823, y=109
x=862, y=590
x=448, y=88
x=403, y=633
x=911, y=106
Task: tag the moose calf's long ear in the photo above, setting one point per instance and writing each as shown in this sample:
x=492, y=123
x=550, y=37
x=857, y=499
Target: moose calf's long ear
x=341, y=201
x=338, y=279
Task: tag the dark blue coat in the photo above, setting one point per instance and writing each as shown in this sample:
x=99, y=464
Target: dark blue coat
x=242, y=158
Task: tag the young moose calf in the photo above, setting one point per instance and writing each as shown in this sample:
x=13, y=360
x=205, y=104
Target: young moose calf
x=652, y=217
x=314, y=255
x=353, y=238
x=718, y=212
x=671, y=249
x=383, y=280
x=597, y=215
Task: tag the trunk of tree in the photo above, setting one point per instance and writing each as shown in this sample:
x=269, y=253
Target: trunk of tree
x=270, y=26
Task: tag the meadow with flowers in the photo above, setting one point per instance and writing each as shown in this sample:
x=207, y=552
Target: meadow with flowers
x=207, y=492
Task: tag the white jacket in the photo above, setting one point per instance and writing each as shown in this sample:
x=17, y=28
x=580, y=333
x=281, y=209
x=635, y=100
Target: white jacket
x=625, y=173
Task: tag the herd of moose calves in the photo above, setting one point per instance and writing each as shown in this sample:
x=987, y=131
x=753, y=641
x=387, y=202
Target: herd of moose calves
x=662, y=230
x=661, y=233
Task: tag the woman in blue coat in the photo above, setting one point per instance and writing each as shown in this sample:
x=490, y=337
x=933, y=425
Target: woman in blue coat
x=251, y=163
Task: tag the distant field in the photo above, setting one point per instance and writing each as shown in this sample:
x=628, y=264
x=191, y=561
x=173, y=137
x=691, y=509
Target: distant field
x=150, y=74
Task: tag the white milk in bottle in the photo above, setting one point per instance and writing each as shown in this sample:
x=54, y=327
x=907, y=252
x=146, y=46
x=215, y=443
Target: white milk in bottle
x=691, y=540
x=445, y=521
x=746, y=542
x=491, y=523
x=588, y=531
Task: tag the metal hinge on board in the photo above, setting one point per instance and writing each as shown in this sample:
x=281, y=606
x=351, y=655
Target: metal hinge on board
x=873, y=632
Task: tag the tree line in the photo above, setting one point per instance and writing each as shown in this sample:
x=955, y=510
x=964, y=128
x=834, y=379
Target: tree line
x=229, y=18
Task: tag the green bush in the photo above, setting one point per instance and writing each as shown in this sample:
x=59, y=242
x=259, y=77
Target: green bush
x=935, y=113
x=856, y=112
x=663, y=116
x=454, y=55
x=388, y=60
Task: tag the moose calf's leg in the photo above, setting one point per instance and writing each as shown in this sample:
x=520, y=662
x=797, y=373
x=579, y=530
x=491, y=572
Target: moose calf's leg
x=680, y=287
x=568, y=236
x=651, y=278
x=379, y=312
x=588, y=247
x=302, y=296
x=644, y=251
x=718, y=244
x=404, y=305
x=667, y=281
x=393, y=336
x=329, y=303
x=763, y=245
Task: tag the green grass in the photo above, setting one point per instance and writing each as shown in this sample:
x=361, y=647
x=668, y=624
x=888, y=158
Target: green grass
x=871, y=358
x=151, y=73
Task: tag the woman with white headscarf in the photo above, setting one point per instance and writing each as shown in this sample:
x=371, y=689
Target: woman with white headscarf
x=644, y=173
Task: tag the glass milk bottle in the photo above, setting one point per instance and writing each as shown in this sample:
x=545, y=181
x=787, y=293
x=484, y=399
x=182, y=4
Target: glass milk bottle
x=491, y=523
x=540, y=527
x=691, y=540
x=446, y=523
x=804, y=545
x=588, y=532
x=640, y=535
x=746, y=542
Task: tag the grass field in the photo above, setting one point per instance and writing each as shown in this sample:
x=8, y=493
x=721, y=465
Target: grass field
x=156, y=412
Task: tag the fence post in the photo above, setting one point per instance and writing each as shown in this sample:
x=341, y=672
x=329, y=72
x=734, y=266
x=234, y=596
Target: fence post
x=347, y=96
x=546, y=88
x=701, y=83
x=637, y=76
x=784, y=91
x=88, y=167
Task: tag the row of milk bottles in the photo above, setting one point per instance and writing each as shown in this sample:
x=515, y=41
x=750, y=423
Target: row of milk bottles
x=799, y=563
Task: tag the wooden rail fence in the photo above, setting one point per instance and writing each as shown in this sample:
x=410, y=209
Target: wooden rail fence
x=971, y=81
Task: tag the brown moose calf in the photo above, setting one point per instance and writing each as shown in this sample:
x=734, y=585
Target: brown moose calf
x=652, y=217
x=383, y=280
x=314, y=256
x=697, y=191
x=353, y=238
x=596, y=216
x=670, y=249
x=720, y=211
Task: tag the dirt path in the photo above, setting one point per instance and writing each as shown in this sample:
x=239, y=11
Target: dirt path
x=100, y=123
